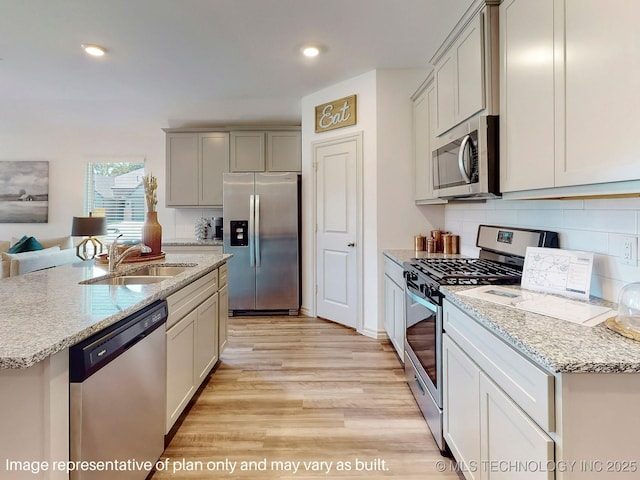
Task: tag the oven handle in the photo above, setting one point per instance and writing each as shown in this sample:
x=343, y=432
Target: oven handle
x=422, y=301
x=419, y=384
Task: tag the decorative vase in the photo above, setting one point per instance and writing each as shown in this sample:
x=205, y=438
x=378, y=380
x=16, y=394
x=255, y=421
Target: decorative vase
x=152, y=233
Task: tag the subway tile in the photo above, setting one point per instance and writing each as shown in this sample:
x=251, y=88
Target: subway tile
x=507, y=218
x=618, y=221
x=539, y=204
x=596, y=242
x=612, y=204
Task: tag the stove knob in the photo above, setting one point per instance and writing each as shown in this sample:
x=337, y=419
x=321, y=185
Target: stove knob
x=410, y=275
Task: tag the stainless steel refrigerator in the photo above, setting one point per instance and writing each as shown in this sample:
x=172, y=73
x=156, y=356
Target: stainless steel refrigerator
x=261, y=230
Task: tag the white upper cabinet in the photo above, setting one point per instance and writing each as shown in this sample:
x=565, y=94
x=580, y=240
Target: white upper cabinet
x=273, y=151
x=284, y=152
x=182, y=169
x=526, y=95
x=423, y=134
x=195, y=163
x=247, y=152
x=466, y=70
x=214, y=161
x=570, y=109
x=599, y=89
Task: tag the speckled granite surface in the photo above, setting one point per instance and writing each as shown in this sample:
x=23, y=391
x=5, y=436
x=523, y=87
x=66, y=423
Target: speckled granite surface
x=400, y=256
x=44, y=312
x=557, y=345
x=190, y=242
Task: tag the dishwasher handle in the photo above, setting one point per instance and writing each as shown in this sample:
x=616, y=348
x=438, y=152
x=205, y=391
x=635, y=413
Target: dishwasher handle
x=93, y=353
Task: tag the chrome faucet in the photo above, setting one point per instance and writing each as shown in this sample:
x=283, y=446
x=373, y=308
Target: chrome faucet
x=116, y=259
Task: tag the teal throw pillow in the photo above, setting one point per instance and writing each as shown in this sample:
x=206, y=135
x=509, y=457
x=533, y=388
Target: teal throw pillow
x=25, y=244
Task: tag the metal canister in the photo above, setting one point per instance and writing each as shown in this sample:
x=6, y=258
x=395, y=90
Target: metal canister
x=418, y=242
x=431, y=245
x=451, y=243
x=437, y=236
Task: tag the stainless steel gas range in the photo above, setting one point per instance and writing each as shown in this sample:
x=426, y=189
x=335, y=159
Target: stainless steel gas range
x=502, y=251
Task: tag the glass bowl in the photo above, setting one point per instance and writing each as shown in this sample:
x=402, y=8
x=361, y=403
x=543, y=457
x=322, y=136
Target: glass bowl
x=629, y=307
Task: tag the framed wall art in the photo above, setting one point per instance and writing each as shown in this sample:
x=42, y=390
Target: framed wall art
x=24, y=192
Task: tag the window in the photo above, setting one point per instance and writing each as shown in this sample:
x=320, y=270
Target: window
x=114, y=189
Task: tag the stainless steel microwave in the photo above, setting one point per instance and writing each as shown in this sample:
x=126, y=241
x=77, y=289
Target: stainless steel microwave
x=465, y=161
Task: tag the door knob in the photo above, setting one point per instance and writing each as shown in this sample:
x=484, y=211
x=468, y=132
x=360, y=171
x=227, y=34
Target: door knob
x=351, y=244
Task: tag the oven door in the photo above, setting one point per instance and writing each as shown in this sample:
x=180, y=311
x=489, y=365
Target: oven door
x=424, y=341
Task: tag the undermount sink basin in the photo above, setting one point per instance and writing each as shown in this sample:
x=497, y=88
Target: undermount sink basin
x=143, y=275
x=160, y=270
x=127, y=280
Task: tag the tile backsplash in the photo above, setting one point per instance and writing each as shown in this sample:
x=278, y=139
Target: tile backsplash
x=593, y=225
x=184, y=220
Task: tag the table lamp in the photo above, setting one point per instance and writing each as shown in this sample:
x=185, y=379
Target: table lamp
x=89, y=227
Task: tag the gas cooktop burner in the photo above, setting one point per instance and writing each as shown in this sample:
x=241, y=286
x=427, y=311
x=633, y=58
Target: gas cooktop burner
x=465, y=271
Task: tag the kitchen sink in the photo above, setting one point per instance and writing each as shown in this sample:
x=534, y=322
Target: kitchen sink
x=160, y=270
x=143, y=275
x=126, y=280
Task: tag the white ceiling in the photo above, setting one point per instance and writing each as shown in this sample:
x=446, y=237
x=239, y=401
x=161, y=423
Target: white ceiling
x=191, y=62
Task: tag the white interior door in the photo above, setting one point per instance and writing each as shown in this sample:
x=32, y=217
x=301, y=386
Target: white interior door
x=337, y=245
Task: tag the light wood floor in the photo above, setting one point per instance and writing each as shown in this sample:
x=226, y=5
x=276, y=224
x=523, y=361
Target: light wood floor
x=300, y=389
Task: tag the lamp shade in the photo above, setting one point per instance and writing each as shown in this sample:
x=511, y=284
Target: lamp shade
x=88, y=226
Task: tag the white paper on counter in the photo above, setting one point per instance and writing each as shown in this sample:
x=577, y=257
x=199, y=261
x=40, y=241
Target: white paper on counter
x=553, y=270
x=563, y=308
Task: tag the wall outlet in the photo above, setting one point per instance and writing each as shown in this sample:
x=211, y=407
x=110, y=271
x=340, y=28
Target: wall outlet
x=629, y=253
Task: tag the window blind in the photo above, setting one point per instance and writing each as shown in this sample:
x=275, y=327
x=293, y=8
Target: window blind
x=114, y=189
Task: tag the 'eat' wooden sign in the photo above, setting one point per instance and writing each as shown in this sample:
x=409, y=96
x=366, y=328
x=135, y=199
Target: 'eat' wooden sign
x=337, y=114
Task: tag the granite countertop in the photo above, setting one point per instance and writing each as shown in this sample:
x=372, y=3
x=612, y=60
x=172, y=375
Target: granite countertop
x=191, y=242
x=557, y=345
x=400, y=256
x=47, y=311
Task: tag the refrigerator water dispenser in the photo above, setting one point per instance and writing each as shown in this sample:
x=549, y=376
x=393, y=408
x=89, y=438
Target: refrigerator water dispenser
x=239, y=233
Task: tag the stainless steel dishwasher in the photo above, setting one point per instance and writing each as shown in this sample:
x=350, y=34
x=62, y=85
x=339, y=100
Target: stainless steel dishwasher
x=117, y=397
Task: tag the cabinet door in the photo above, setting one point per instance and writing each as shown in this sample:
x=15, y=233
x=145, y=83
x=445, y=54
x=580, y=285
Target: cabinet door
x=206, y=338
x=460, y=77
x=284, y=152
x=389, y=308
x=180, y=363
x=423, y=188
x=470, y=87
x=600, y=92
x=527, y=138
x=223, y=317
x=247, y=152
x=461, y=406
x=510, y=436
x=182, y=169
x=445, y=78
x=214, y=161
x=398, y=320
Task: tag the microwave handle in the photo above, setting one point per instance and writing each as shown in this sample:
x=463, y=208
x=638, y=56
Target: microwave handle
x=463, y=148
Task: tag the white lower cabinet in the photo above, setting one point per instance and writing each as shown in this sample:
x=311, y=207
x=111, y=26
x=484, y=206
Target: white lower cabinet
x=394, y=303
x=223, y=317
x=511, y=444
x=461, y=399
x=206, y=338
x=490, y=434
x=180, y=366
x=192, y=341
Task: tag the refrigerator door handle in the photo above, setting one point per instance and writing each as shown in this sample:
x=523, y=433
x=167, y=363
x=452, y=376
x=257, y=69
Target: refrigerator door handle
x=256, y=232
x=251, y=231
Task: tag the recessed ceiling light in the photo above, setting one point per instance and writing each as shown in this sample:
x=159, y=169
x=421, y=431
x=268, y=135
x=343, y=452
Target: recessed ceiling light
x=310, y=51
x=94, y=50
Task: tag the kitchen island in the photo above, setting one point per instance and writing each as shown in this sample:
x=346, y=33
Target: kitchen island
x=42, y=314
